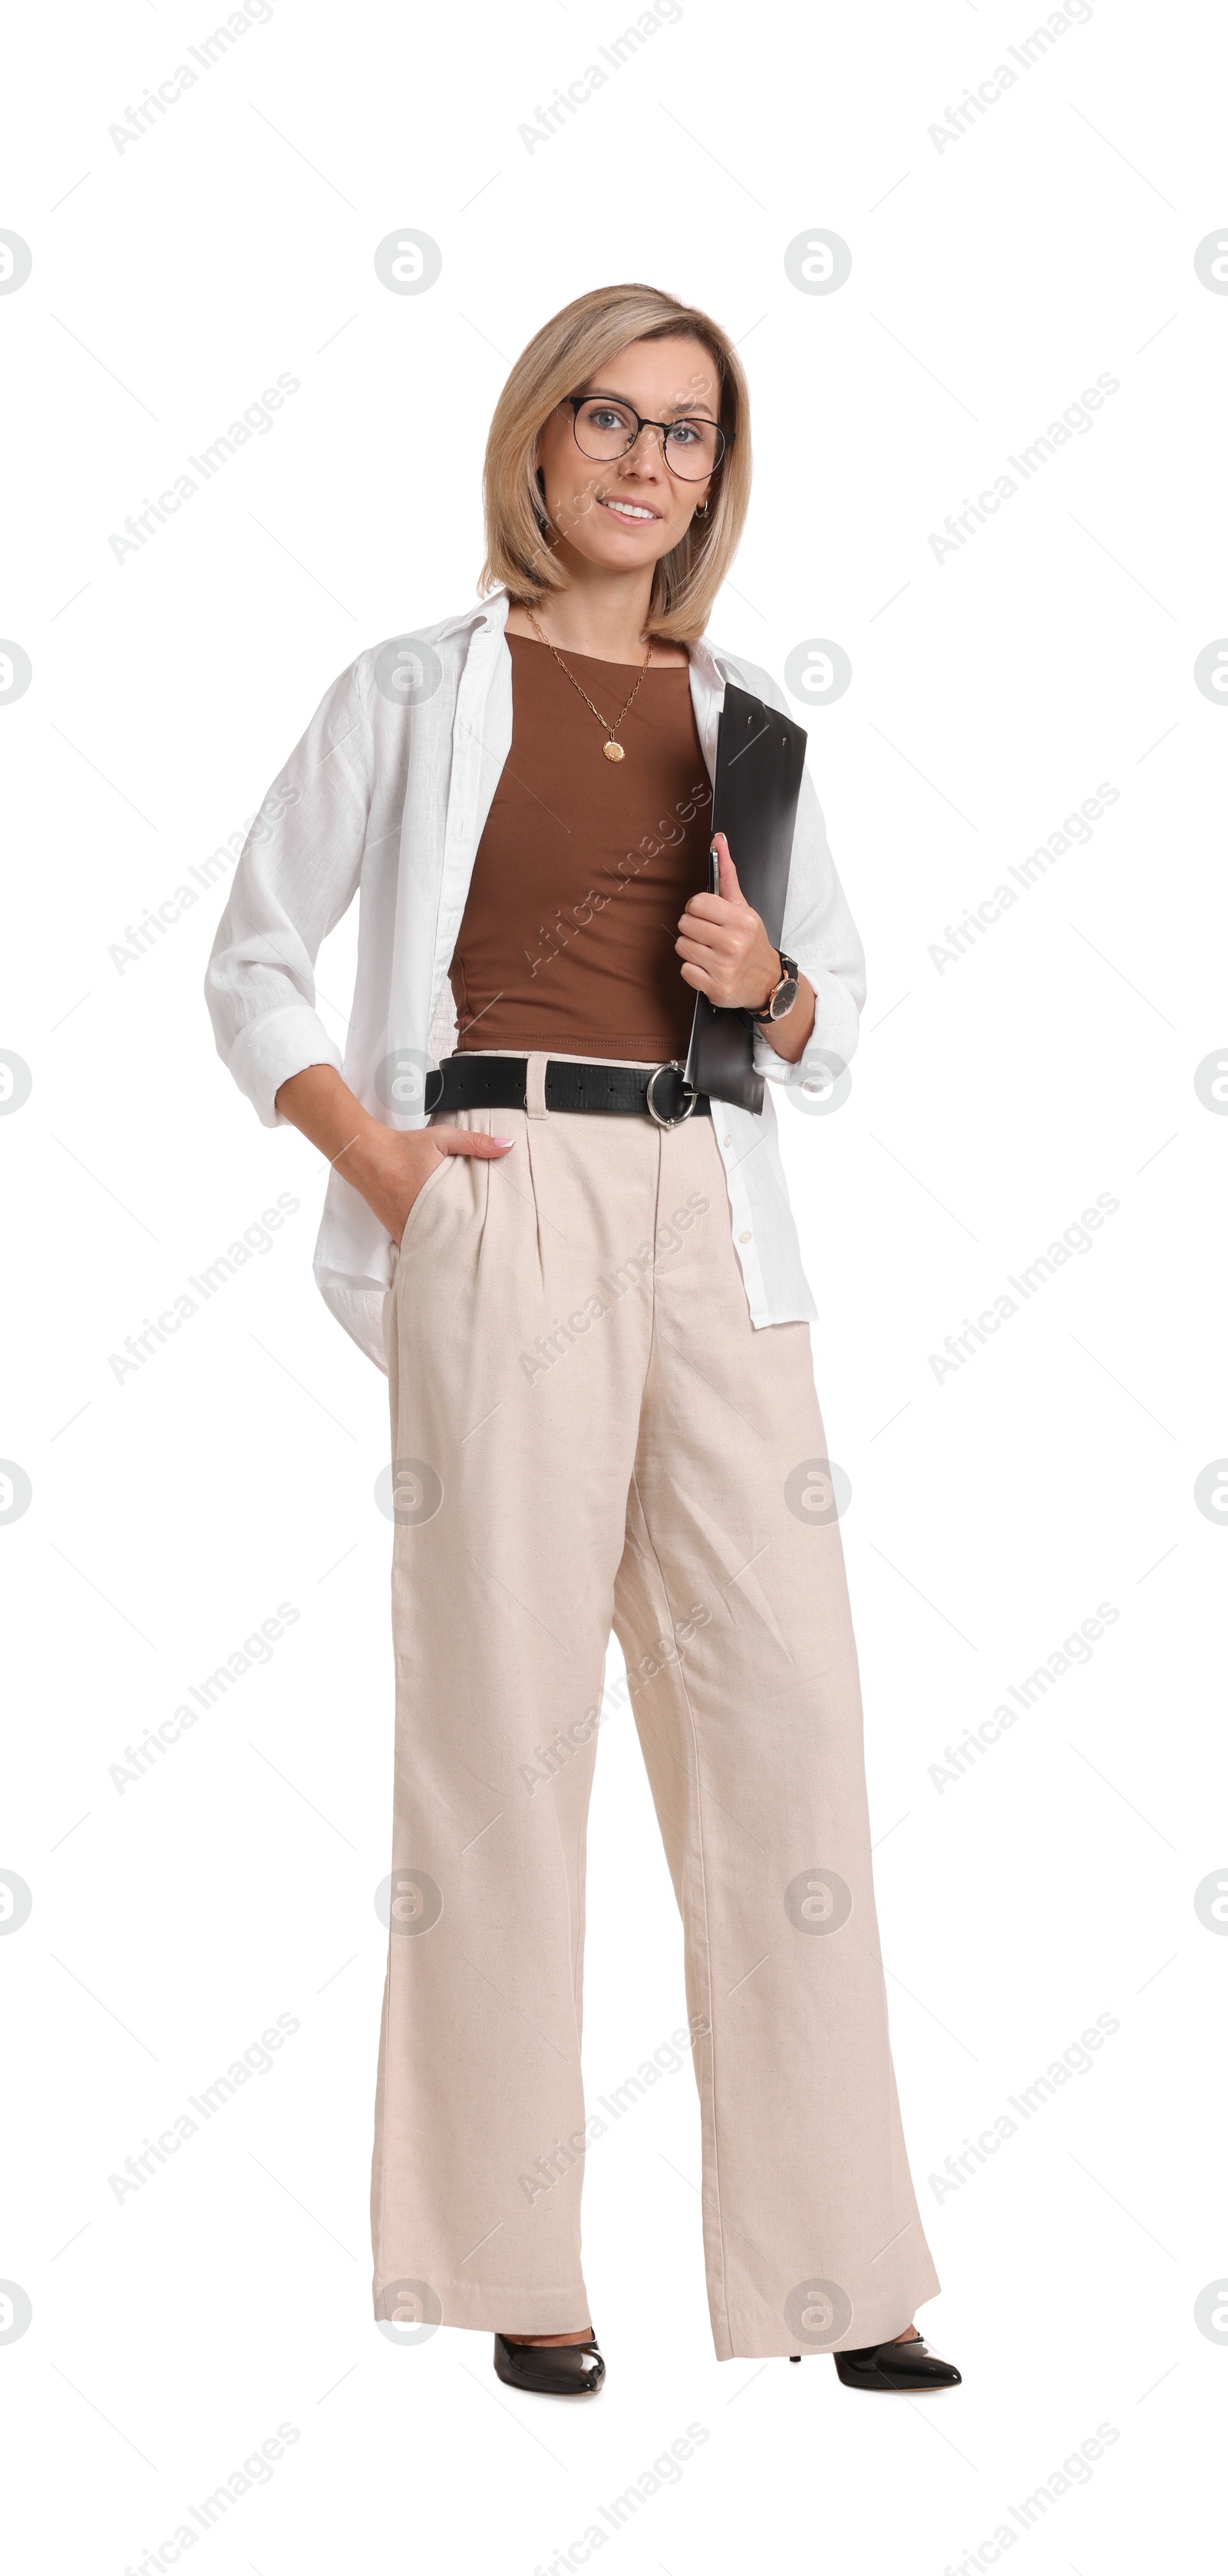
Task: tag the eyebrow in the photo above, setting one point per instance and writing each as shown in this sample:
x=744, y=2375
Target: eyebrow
x=676, y=410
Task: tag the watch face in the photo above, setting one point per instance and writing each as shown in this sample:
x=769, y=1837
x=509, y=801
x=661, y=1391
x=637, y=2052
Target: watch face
x=784, y=997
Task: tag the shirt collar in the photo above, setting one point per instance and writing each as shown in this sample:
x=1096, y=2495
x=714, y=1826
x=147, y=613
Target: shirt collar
x=491, y=615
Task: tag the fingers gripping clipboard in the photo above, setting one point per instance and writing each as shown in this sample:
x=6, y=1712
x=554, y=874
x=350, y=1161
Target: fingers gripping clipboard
x=760, y=756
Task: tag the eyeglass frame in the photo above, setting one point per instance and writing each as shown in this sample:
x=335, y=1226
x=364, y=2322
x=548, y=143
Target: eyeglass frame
x=577, y=402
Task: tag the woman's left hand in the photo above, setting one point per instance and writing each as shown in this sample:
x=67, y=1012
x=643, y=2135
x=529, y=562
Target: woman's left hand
x=725, y=950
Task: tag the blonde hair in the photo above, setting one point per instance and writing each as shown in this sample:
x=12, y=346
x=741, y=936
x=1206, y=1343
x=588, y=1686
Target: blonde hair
x=570, y=348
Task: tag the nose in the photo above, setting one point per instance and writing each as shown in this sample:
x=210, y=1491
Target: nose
x=643, y=457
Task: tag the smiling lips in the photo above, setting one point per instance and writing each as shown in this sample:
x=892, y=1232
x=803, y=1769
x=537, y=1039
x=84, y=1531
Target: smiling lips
x=628, y=510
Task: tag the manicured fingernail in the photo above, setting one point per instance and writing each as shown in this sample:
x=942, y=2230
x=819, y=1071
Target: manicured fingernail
x=503, y=1140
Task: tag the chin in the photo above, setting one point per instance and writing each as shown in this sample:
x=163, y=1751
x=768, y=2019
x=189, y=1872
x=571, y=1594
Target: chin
x=621, y=546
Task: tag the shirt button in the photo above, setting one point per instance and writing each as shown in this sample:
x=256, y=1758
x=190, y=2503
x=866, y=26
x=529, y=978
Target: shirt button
x=744, y=1238
x=728, y=1140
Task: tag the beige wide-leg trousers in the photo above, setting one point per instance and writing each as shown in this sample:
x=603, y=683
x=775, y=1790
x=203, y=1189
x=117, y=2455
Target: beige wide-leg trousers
x=589, y=1432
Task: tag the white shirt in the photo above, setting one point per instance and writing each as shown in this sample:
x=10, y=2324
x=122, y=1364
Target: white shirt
x=386, y=797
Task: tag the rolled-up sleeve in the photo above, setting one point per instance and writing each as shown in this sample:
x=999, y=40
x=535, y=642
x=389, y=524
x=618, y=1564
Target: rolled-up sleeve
x=819, y=931
x=298, y=872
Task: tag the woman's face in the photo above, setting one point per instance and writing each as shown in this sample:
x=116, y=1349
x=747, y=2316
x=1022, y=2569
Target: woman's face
x=628, y=512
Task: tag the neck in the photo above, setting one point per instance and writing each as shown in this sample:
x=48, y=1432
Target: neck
x=600, y=613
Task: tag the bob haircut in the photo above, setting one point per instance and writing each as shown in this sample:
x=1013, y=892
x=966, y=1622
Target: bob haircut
x=558, y=361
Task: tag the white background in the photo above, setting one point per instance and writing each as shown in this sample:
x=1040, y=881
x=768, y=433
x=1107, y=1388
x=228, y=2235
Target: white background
x=992, y=1510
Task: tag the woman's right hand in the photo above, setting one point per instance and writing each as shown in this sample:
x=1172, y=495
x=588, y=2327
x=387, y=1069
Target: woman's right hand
x=391, y=1168
x=385, y=1165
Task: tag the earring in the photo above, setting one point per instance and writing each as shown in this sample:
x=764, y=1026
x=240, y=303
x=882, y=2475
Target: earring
x=701, y=509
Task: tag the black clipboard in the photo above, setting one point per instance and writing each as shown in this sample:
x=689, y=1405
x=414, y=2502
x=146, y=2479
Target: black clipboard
x=760, y=756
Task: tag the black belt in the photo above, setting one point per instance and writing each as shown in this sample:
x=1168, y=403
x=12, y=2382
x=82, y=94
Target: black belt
x=660, y=1092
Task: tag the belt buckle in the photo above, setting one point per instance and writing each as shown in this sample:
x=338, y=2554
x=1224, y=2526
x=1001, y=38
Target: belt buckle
x=691, y=1095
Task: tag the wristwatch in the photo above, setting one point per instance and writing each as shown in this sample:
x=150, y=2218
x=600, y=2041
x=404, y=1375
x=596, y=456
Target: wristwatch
x=784, y=994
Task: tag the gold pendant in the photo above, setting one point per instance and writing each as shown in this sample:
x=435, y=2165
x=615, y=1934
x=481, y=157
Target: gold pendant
x=614, y=751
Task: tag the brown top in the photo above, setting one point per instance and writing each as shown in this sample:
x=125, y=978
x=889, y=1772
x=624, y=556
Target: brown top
x=584, y=866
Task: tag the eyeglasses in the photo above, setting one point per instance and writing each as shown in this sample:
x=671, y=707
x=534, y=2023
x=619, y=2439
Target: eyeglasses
x=606, y=429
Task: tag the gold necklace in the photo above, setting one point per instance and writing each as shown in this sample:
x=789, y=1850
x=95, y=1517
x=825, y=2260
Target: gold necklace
x=613, y=750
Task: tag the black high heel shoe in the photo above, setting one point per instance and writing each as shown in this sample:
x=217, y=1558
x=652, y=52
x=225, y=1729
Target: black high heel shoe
x=550, y=2369
x=909, y=2368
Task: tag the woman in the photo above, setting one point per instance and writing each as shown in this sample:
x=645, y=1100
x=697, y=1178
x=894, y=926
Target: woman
x=587, y=1291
